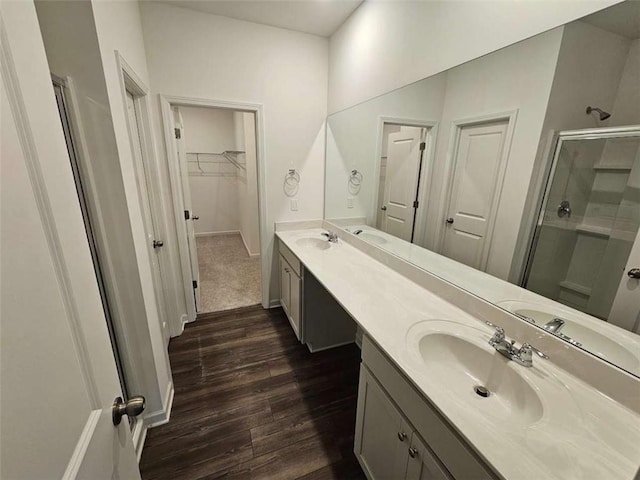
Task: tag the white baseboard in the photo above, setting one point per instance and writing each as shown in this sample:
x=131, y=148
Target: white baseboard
x=139, y=435
x=160, y=417
x=214, y=234
x=274, y=303
x=252, y=255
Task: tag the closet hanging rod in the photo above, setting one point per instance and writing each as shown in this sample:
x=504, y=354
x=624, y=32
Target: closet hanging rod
x=229, y=155
x=233, y=152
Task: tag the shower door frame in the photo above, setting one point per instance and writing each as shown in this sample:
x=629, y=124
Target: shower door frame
x=568, y=135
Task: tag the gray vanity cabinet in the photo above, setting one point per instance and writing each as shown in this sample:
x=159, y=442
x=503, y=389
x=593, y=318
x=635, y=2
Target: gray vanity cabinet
x=315, y=317
x=385, y=444
x=400, y=435
x=291, y=289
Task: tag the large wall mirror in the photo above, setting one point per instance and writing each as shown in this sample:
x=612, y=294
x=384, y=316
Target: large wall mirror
x=515, y=176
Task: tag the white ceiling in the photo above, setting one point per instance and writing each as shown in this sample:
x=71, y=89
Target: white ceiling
x=623, y=19
x=319, y=17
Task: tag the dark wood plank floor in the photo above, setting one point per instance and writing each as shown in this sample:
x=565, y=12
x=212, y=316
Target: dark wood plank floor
x=252, y=402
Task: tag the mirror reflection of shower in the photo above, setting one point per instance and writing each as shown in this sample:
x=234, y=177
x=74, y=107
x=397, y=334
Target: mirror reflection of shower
x=581, y=248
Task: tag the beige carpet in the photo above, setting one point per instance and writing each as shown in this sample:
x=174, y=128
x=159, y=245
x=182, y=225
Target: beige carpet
x=229, y=278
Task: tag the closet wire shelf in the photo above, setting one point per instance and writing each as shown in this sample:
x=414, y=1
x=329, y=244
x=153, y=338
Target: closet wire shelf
x=215, y=164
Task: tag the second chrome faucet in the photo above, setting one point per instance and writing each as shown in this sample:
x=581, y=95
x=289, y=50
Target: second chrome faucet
x=522, y=356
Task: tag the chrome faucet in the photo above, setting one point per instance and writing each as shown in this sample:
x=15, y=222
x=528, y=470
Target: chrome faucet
x=357, y=232
x=522, y=356
x=555, y=325
x=332, y=237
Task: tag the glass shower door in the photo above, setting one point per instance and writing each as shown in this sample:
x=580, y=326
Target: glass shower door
x=589, y=220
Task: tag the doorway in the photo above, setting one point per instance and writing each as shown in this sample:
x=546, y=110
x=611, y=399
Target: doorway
x=591, y=211
x=479, y=152
x=405, y=158
x=217, y=162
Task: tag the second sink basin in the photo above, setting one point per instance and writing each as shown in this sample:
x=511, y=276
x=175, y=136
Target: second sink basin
x=478, y=378
x=312, y=242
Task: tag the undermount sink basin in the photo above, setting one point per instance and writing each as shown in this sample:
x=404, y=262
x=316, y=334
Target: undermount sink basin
x=476, y=377
x=372, y=238
x=312, y=242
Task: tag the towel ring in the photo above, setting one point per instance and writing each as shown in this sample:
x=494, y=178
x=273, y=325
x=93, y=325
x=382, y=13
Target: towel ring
x=292, y=178
x=355, y=178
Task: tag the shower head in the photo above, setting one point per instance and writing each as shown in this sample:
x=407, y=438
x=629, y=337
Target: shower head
x=603, y=115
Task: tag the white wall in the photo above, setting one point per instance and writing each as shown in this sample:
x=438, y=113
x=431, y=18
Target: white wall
x=625, y=108
x=205, y=56
x=515, y=78
x=213, y=198
x=385, y=45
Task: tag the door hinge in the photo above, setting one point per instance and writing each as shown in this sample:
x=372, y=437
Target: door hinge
x=423, y=145
x=186, y=215
x=415, y=204
x=178, y=133
x=195, y=284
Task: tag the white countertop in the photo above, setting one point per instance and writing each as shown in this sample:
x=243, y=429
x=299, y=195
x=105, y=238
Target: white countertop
x=583, y=434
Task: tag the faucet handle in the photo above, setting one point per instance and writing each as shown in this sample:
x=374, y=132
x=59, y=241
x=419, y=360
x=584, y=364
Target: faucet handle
x=499, y=335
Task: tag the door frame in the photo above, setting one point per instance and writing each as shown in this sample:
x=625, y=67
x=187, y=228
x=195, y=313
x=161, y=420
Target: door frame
x=510, y=116
x=425, y=179
x=148, y=171
x=562, y=136
x=166, y=103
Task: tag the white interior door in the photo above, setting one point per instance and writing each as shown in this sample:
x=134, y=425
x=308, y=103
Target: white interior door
x=58, y=371
x=401, y=181
x=190, y=215
x=625, y=311
x=478, y=159
x=154, y=243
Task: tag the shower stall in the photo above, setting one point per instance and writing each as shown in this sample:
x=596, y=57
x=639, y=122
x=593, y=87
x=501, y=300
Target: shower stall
x=588, y=222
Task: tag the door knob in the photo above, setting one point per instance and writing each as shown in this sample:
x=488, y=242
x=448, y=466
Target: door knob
x=158, y=243
x=634, y=273
x=195, y=217
x=132, y=408
x=383, y=208
x=449, y=220
x=413, y=452
x=402, y=436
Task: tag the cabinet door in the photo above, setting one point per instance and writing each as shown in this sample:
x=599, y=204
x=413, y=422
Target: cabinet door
x=294, y=304
x=422, y=463
x=382, y=438
x=285, y=285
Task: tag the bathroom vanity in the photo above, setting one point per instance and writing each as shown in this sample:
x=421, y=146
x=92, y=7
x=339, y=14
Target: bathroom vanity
x=315, y=317
x=435, y=400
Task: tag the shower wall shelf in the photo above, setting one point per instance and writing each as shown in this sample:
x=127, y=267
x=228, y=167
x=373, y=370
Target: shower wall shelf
x=616, y=168
x=596, y=230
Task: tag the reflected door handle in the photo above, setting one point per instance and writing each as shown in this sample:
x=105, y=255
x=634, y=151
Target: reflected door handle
x=634, y=273
x=383, y=208
x=449, y=220
x=158, y=243
x=195, y=217
x=132, y=408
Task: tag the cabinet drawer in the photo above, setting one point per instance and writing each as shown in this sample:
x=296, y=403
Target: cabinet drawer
x=292, y=260
x=452, y=450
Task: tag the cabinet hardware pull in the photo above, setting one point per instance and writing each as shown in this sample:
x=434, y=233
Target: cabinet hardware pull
x=413, y=452
x=402, y=436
